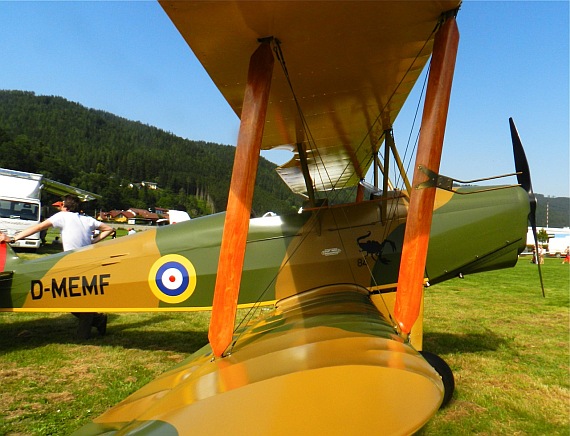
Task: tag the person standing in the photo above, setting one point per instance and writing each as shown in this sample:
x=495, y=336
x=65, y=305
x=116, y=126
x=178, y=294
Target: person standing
x=567, y=256
x=76, y=232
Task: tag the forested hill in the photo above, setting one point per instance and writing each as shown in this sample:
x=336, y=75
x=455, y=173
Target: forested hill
x=103, y=153
x=552, y=211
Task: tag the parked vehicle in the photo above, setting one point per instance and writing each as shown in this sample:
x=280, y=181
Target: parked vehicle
x=20, y=202
x=557, y=246
x=20, y=205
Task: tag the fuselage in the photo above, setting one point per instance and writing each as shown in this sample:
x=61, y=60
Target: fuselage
x=174, y=267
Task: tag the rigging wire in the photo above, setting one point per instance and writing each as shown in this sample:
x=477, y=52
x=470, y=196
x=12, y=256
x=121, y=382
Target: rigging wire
x=336, y=190
x=416, y=113
x=399, y=179
x=376, y=121
x=312, y=143
x=308, y=134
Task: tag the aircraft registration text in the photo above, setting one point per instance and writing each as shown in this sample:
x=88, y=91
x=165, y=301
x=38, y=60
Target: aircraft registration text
x=76, y=286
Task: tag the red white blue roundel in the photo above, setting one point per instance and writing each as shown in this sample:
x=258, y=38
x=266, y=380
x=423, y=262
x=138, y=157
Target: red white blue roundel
x=172, y=278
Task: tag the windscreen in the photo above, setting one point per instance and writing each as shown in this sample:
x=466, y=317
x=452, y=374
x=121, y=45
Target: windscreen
x=19, y=210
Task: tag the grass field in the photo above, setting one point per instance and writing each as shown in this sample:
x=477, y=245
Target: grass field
x=508, y=348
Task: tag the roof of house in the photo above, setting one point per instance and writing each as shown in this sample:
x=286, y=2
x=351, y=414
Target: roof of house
x=144, y=213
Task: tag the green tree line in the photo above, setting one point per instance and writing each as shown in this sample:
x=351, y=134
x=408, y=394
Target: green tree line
x=554, y=211
x=103, y=153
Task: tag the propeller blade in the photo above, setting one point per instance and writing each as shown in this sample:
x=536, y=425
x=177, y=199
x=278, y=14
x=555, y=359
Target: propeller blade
x=521, y=164
x=523, y=178
x=536, y=247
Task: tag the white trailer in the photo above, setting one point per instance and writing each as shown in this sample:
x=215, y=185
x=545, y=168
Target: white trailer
x=20, y=202
x=558, y=240
x=558, y=245
x=20, y=205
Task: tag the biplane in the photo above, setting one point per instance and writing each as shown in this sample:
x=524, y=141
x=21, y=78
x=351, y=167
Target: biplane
x=337, y=347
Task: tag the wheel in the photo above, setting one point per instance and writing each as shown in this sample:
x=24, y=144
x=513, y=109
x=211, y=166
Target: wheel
x=444, y=372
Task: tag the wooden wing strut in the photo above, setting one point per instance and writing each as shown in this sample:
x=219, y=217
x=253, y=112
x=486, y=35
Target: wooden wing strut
x=409, y=293
x=236, y=226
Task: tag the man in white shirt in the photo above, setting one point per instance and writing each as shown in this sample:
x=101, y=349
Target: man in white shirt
x=76, y=229
x=76, y=232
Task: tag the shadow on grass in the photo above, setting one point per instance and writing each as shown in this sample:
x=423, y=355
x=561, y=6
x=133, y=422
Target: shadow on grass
x=61, y=329
x=444, y=342
x=44, y=249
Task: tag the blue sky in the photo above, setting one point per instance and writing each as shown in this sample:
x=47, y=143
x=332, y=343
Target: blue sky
x=128, y=59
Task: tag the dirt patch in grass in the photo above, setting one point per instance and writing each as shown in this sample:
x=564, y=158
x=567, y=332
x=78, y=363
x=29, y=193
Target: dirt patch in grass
x=461, y=409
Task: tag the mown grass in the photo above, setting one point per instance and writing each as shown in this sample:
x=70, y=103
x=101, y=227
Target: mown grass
x=52, y=383
x=508, y=348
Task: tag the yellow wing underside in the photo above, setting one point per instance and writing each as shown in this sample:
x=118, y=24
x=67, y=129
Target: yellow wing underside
x=351, y=66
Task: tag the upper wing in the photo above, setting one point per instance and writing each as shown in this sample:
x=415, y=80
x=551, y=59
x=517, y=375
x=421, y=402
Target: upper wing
x=62, y=189
x=350, y=66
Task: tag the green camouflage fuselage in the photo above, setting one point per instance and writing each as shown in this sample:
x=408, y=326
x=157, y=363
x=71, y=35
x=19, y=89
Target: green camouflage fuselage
x=175, y=267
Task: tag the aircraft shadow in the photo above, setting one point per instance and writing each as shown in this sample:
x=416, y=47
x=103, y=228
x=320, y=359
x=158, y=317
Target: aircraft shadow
x=28, y=334
x=52, y=248
x=36, y=332
x=444, y=342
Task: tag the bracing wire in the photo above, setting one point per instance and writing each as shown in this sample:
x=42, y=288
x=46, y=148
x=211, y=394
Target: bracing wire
x=308, y=134
x=377, y=119
x=325, y=175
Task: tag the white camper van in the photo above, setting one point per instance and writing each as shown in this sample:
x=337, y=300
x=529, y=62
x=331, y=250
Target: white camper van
x=20, y=205
x=20, y=202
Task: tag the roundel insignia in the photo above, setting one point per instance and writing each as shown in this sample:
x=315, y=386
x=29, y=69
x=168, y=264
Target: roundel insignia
x=172, y=278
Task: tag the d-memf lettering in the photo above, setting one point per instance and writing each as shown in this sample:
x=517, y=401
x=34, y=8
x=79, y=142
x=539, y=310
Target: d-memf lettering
x=69, y=287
